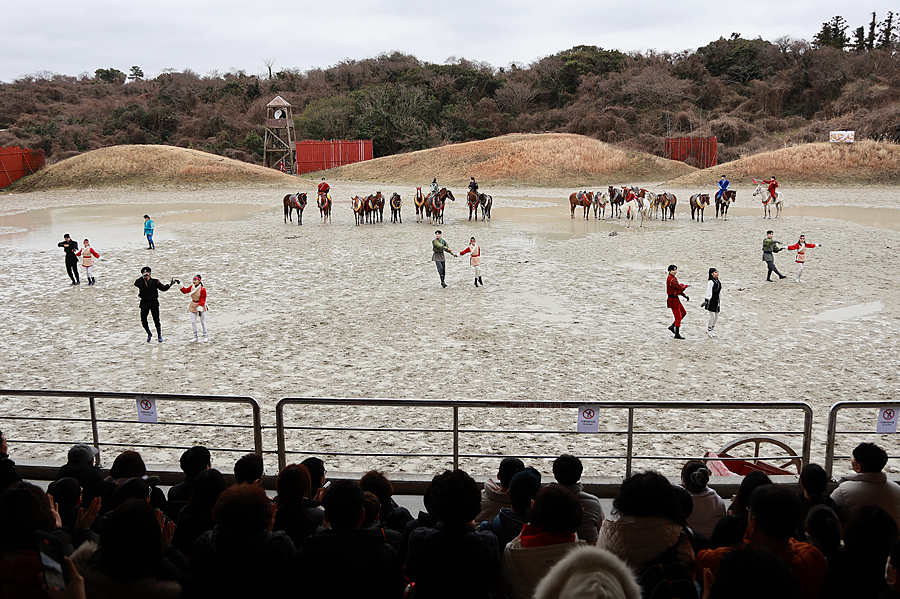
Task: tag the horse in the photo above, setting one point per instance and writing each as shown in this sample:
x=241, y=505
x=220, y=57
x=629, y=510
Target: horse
x=486, y=202
x=631, y=209
x=723, y=200
x=699, y=201
x=769, y=200
x=378, y=200
x=616, y=199
x=293, y=202
x=324, y=203
x=356, y=203
x=472, y=201
x=395, y=203
x=369, y=207
x=583, y=199
x=601, y=199
x=419, y=201
x=667, y=203
x=436, y=202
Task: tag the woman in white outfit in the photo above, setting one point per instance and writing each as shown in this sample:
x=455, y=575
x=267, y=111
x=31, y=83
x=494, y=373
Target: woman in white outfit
x=87, y=255
x=708, y=505
x=198, y=306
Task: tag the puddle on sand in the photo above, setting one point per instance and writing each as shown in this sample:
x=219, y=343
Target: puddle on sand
x=109, y=225
x=848, y=312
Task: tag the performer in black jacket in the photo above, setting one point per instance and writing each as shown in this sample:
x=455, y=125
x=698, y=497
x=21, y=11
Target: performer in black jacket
x=148, y=291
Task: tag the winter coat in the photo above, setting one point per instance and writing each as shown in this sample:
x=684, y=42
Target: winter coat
x=593, y=513
x=867, y=488
x=708, y=509
x=524, y=567
x=588, y=573
x=451, y=563
x=493, y=498
x=638, y=540
x=98, y=585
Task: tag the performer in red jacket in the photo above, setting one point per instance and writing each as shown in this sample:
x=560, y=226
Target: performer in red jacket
x=673, y=290
x=801, y=246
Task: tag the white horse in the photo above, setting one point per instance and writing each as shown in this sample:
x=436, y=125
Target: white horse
x=601, y=199
x=768, y=201
x=630, y=208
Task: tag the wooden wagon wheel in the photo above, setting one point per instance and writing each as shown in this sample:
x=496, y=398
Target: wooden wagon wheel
x=795, y=461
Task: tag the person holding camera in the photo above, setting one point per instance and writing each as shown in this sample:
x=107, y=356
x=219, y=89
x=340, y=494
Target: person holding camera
x=198, y=306
x=148, y=291
x=674, y=289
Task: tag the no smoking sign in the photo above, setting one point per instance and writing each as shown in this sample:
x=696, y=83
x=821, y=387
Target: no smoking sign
x=146, y=410
x=587, y=420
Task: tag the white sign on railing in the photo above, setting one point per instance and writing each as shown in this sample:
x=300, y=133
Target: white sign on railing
x=587, y=420
x=146, y=410
x=842, y=137
x=887, y=420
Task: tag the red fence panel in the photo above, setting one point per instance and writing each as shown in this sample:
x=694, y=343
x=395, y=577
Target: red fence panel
x=17, y=162
x=320, y=155
x=701, y=152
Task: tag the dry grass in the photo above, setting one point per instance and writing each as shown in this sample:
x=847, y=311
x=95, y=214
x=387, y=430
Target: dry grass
x=861, y=163
x=535, y=160
x=148, y=165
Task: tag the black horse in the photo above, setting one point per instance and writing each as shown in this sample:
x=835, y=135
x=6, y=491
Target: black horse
x=395, y=208
x=486, y=201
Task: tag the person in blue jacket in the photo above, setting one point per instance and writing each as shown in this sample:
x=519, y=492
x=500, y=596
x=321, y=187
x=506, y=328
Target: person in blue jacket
x=723, y=186
x=148, y=231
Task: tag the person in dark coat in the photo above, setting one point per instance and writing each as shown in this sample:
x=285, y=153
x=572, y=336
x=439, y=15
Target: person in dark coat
x=193, y=461
x=8, y=474
x=128, y=465
x=195, y=518
x=70, y=246
x=241, y=557
x=711, y=300
x=296, y=516
x=345, y=561
x=437, y=556
x=392, y=515
x=730, y=529
x=81, y=467
x=148, y=291
x=424, y=519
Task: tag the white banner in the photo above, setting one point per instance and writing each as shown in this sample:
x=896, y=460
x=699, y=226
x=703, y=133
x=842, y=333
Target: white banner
x=842, y=137
x=587, y=420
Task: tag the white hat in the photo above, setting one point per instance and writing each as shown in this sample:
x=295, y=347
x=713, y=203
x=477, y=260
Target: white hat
x=589, y=573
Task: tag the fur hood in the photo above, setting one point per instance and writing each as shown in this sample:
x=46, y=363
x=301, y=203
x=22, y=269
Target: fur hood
x=99, y=586
x=589, y=573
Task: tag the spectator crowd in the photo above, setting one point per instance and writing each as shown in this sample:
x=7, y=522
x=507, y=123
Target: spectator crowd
x=518, y=537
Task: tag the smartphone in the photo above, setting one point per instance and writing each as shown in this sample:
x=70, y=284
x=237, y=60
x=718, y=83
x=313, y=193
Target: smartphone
x=52, y=559
x=326, y=485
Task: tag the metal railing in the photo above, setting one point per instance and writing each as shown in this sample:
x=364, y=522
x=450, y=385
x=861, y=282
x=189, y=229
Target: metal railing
x=831, y=438
x=158, y=398
x=455, y=430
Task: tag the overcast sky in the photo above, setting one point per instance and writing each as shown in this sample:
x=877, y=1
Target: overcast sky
x=70, y=38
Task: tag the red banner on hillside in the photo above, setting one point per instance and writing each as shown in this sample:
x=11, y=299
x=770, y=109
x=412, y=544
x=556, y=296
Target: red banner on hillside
x=700, y=152
x=16, y=162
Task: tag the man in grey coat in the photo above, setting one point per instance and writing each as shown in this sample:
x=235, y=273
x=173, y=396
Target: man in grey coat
x=770, y=248
x=567, y=471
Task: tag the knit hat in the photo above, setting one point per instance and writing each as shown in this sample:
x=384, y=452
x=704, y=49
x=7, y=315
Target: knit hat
x=523, y=487
x=589, y=573
x=82, y=454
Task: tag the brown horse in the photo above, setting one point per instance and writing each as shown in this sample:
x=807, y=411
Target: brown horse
x=419, y=201
x=356, y=203
x=581, y=198
x=369, y=207
x=699, y=201
x=472, y=202
x=435, y=204
x=601, y=199
x=324, y=202
x=616, y=199
x=379, y=207
x=395, y=203
x=667, y=202
x=723, y=200
x=293, y=202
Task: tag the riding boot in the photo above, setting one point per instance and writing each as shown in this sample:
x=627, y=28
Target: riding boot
x=480, y=282
x=159, y=334
x=672, y=328
x=476, y=281
x=443, y=284
x=678, y=333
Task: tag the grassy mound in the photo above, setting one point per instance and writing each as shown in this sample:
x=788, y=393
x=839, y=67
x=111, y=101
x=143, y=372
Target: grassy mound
x=536, y=160
x=861, y=163
x=147, y=166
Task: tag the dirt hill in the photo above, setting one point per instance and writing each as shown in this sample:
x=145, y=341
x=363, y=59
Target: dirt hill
x=147, y=165
x=862, y=163
x=534, y=160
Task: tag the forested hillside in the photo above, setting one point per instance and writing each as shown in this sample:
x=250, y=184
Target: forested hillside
x=752, y=94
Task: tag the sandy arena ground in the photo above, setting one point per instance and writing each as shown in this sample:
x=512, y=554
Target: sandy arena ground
x=571, y=310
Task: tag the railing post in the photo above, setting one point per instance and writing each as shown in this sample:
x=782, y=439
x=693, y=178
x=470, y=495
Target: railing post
x=94, y=431
x=279, y=433
x=830, y=439
x=630, y=443
x=807, y=434
x=456, y=437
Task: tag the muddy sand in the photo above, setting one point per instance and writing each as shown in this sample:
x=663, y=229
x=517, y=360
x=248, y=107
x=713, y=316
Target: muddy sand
x=571, y=310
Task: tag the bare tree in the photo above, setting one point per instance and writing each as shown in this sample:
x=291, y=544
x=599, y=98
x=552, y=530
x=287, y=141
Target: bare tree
x=269, y=62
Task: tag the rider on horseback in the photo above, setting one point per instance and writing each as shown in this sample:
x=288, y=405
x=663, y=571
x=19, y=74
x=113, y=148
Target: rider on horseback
x=723, y=187
x=473, y=186
x=434, y=186
x=324, y=188
x=773, y=185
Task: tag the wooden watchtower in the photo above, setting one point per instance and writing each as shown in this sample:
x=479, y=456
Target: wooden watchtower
x=280, y=149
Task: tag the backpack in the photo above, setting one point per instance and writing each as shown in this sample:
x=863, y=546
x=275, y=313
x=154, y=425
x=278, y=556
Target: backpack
x=667, y=578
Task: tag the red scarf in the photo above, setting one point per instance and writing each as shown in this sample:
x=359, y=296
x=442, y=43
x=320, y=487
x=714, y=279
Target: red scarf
x=535, y=536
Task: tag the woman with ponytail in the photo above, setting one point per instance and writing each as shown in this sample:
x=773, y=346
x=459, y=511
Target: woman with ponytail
x=708, y=506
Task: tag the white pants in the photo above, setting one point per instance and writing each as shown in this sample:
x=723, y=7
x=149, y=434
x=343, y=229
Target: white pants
x=89, y=271
x=477, y=271
x=713, y=317
x=800, y=266
x=202, y=321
